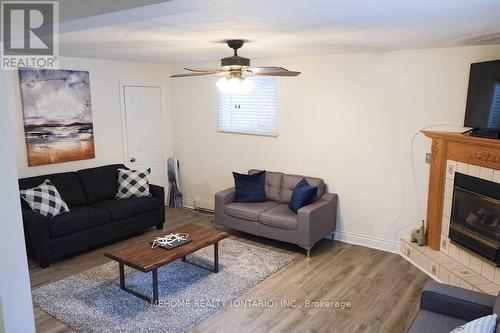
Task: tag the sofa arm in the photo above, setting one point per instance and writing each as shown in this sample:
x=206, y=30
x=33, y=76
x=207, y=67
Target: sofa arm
x=455, y=302
x=317, y=220
x=222, y=198
x=37, y=236
x=157, y=192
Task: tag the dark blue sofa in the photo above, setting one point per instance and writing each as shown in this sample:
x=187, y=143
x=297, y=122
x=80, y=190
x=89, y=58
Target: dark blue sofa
x=95, y=216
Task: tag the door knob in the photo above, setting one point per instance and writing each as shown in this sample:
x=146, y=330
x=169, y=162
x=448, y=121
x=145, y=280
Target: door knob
x=132, y=160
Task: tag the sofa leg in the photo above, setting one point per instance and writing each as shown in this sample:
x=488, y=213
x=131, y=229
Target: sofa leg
x=44, y=264
x=159, y=227
x=308, y=250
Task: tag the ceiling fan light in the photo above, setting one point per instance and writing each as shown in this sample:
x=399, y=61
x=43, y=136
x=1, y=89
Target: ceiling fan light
x=235, y=85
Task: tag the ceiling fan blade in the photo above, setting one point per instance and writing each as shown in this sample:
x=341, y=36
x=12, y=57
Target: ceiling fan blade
x=288, y=73
x=271, y=71
x=193, y=74
x=200, y=70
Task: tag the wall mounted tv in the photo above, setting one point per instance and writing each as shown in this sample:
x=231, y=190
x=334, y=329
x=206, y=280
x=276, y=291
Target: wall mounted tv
x=482, y=112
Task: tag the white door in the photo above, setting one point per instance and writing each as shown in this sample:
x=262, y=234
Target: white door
x=144, y=130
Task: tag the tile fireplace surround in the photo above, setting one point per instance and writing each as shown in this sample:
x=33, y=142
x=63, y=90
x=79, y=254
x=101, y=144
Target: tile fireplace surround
x=446, y=262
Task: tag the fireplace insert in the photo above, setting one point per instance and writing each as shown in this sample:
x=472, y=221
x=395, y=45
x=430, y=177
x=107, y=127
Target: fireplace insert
x=475, y=216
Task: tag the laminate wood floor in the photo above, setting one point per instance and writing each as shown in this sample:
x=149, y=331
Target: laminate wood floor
x=382, y=288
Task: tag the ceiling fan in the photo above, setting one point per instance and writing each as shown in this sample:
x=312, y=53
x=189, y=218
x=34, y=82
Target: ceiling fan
x=235, y=69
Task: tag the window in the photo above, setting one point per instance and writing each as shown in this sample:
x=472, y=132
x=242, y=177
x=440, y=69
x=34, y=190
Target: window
x=255, y=112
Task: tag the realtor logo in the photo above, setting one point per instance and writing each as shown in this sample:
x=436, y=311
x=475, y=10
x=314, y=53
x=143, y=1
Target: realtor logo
x=30, y=34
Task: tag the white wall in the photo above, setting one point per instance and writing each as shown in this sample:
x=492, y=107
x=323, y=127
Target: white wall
x=105, y=77
x=347, y=118
x=15, y=296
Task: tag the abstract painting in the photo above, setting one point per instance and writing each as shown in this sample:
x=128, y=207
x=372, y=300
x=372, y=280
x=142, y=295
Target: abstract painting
x=57, y=113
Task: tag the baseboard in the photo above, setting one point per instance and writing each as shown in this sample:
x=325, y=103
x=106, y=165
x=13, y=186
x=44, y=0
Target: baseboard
x=203, y=205
x=367, y=241
x=188, y=203
x=206, y=205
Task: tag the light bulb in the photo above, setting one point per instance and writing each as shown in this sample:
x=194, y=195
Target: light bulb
x=234, y=85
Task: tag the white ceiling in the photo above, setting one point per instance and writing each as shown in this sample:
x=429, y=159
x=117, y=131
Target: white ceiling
x=76, y=9
x=181, y=31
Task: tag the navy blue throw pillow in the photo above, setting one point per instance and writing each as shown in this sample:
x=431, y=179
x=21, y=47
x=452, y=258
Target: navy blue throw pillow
x=250, y=188
x=303, y=195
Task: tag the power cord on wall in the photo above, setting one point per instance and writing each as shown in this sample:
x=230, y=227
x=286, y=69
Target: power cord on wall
x=402, y=174
x=415, y=183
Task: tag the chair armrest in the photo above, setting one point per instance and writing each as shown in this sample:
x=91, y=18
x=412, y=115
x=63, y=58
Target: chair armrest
x=317, y=220
x=157, y=192
x=456, y=302
x=222, y=198
x=37, y=235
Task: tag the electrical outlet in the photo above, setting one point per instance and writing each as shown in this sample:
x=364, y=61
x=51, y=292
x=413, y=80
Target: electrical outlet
x=428, y=158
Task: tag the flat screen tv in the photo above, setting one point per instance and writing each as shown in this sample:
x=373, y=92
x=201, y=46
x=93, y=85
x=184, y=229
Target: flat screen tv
x=482, y=112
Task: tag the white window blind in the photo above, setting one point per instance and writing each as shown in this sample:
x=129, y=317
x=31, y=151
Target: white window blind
x=255, y=112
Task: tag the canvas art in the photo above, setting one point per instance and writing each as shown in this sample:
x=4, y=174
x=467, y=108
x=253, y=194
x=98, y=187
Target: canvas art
x=57, y=112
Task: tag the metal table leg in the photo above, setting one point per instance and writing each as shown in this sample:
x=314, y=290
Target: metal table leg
x=122, y=276
x=155, y=286
x=216, y=257
x=153, y=300
x=215, y=268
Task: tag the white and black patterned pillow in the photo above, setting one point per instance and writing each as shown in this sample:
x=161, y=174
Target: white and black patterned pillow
x=486, y=324
x=45, y=199
x=133, y=183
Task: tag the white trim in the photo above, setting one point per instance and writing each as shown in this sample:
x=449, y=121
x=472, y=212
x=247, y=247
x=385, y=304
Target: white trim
x=188, y=203
x=249, y=133
x=367, y=241
x=208, y=205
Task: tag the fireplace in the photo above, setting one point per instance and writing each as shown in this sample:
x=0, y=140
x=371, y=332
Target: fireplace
x=475, y=216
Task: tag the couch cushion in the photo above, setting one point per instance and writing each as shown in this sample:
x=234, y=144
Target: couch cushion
x=123, y=208
x=290, y=181
x=67, y=184
x=427, y=321
x=273, y=183
x=280, y=217
x=248, y=210
x=100, y=183
x=486, y=324
x=78, y=219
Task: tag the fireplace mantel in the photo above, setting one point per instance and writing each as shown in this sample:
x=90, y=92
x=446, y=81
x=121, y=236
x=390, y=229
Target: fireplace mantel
x=461, y=148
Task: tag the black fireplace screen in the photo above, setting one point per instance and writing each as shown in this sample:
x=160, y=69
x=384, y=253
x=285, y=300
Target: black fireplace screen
x=478, y=213
x=475, y=215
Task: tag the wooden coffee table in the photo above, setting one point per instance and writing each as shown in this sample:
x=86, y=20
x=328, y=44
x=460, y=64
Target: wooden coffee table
x=141, y=256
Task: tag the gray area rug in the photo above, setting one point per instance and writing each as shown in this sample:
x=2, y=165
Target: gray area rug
x=92, y=301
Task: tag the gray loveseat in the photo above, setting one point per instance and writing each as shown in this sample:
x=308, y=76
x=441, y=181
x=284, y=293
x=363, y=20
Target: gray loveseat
x=444, y=307
x=273, y=219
